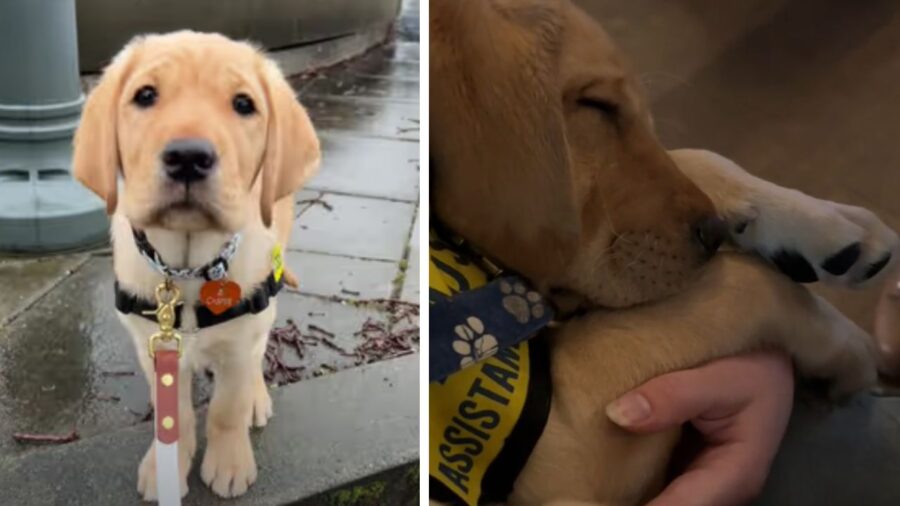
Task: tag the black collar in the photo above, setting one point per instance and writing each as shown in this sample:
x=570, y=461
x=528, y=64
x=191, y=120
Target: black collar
x=459, y=243
x=217, y=268
x=564, y=303
x=129, y=303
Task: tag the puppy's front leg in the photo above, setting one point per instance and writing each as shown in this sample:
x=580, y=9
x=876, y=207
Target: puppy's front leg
x=262, y=402
x=827, y=345
x=809, y=239
x=738, y=304
x=229, y=466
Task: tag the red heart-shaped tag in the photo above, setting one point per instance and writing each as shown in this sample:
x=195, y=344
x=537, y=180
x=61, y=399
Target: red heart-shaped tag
x=219, y=296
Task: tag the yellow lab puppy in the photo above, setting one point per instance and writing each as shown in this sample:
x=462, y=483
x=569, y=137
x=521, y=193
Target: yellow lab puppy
x=545, y=160
x=208, y=141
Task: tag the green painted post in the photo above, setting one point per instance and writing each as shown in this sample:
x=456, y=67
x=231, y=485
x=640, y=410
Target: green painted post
x=42, y=208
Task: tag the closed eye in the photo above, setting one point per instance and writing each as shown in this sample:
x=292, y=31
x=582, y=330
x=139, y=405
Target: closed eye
x=606, y=107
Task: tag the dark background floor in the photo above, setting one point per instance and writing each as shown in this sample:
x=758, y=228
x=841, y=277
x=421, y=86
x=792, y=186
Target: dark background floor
x=805, y=93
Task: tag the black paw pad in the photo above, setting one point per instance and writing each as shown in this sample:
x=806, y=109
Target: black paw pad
x=795, y=266
x=841, y=262
x=877, y=266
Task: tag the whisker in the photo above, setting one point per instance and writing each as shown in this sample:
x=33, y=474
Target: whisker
x=648, y=79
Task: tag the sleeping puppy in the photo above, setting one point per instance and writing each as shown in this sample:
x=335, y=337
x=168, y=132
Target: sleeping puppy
x=209, y=141
x=545, y=160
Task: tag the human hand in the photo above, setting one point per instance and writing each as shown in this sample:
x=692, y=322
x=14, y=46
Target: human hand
x=887, y=327
x=740, y=405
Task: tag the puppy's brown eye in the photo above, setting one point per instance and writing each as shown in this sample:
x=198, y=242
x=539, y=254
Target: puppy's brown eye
x=606, y=107
x=145, y=96
x=243, y=105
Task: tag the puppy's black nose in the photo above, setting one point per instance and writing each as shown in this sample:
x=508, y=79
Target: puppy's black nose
x=710, y=233
x=188, y=160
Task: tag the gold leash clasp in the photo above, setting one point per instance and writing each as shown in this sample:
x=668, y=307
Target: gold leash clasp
x=168, y=297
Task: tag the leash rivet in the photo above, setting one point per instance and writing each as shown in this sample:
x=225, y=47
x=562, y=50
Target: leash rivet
x=167, y=380
x=168, y=422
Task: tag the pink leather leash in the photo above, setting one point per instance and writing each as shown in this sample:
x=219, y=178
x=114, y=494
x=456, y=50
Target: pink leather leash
x=165, y=365
x=168, y=481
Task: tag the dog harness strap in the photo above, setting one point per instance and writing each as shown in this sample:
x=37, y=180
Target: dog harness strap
x=128, y=303
x=256, y=303
x=473, y=325
x=168, y=481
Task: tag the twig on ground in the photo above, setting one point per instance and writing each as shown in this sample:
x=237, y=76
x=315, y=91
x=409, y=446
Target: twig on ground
x=57, y=439
x=313, y=201
x=276, y=371
x=382, y=342
x=393, y=335
x=146, y=416
x=319, y=329
x=330, y=344
x=108, y=374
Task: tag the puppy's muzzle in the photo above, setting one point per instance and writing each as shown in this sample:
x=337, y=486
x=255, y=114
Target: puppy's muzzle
x=189, y=160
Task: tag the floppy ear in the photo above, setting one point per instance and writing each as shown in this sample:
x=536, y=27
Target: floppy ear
x=95, y=159
x=292, y=148
x=502, y=175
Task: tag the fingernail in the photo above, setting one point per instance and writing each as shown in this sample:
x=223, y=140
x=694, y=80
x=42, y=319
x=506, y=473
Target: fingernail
x=630, y=409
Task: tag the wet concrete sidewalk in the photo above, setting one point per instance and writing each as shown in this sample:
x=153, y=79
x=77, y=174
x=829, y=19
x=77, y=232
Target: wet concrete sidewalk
x=67, y=364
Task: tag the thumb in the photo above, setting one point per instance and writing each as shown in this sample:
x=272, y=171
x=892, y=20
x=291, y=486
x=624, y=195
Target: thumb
x=669, y=401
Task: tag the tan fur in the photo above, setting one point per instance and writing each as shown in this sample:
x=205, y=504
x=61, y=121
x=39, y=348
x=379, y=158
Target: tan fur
x=292, y=149
x=524, y=170
x=587, y=202
x=263, y=160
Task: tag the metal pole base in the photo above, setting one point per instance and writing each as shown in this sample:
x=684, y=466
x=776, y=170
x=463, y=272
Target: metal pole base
x=42, y=208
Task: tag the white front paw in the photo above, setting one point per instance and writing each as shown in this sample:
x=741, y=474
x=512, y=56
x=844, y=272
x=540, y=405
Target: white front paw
x=839, y=352
x=852, y=369
x=262, y=404
x=147, y=470
x=229, y=467
x=811, y=239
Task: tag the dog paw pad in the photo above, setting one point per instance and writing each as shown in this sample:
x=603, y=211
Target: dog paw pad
x=795, y=266
x=876, y=267
x=841, y=262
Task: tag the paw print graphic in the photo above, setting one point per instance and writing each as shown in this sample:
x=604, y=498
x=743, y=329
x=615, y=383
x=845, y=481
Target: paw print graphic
x=473, y=344
x=520, y=302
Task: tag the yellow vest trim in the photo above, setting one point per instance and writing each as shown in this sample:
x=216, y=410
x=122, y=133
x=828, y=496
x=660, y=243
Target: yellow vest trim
x=473, y=412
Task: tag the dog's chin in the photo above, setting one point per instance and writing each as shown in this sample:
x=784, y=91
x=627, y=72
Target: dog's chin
x=186, y=217
x=629, y=289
